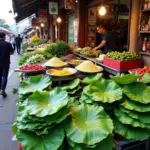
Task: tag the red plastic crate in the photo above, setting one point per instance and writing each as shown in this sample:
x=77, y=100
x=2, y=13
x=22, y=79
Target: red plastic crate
x=122, y=66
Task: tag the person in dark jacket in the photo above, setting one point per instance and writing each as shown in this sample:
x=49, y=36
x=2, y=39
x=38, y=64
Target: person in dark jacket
x=18, y=41
x=5, y=51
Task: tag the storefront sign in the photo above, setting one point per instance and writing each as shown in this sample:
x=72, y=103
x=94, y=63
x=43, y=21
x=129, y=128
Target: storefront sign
x=92, y=15
x=42, y=15
x=53, y=8
x=69, y=4
x=34, y=22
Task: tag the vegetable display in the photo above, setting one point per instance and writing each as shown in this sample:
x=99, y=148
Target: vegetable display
x=88, y=52
x=58, y=49
x=23, y=59
x=37, y=59
x=123, y=56
x=82, y=114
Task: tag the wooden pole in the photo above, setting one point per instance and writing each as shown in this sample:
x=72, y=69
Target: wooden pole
x=134, y=39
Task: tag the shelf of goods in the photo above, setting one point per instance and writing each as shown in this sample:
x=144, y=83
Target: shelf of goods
x=145, y=32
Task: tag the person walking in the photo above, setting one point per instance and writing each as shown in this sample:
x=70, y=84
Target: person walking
x=5, y=51
x=18, y=41
x=13, y=42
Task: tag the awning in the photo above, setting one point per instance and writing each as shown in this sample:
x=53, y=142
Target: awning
x=25, y=8
x=6, y=31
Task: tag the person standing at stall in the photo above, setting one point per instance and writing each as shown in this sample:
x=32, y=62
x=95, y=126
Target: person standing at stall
x=18, y=41
x=110, y=40
x=5, y=51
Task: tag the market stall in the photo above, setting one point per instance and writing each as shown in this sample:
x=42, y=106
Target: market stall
x=64, y=100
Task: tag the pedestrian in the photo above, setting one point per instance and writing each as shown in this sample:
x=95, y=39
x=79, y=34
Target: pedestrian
x=5, y=51
x=13, y=42
x=18, y=41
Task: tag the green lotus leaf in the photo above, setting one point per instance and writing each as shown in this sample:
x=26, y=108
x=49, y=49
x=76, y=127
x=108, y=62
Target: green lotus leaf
x=146, y=78
x=105, y=91
x=42, y=104
x=85, y=98
x=125, y=119
x=88, y=125
x=135, y=106
x=51, y=141
x=34, y=83
x=74, y=91
x=92, y=78
x=142, y=117
x=125, y=78
x=71, y=85
x=106, y=144
x=131, y=133
x=138, y=92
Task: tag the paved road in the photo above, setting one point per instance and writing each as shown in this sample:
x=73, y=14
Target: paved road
x=8, y=109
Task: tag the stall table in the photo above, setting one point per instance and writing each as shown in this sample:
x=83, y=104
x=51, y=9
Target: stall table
x=106, y=68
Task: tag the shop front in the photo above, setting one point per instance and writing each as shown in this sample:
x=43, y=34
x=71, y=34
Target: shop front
x=115, y=17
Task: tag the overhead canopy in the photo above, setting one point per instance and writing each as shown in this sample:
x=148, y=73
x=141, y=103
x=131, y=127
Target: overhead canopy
x=6, y=31
x=25, y=8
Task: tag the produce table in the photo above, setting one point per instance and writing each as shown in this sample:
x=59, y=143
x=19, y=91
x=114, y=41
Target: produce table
x=106, y=68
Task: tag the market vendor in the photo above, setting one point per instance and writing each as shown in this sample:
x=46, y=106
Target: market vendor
x=110, y=40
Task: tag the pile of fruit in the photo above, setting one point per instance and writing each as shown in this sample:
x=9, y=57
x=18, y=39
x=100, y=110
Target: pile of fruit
x=42, y=46
x=32, y=67
x=34, y=39
x=124, y=56
x=141, y=71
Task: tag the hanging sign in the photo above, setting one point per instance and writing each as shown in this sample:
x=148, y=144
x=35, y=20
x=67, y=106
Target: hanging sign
x=34, y=22
x=69, y=4
x=92, y=15
x=53, y=8
x=42, y=15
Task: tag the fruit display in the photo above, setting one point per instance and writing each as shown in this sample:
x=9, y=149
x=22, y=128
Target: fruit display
x=37, y=59
x=30, y=49
x=43, y=46
x=88, y=67
x=89, y=52
x=123, y=56
x=34, y=39
x=141, y=71
x=55, y=62
x=31, y=67
x=59, y=49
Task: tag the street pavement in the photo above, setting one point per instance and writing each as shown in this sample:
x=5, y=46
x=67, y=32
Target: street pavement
x=8, y=108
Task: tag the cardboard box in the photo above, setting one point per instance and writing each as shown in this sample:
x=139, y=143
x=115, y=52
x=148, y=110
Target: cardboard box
x=122, y=65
